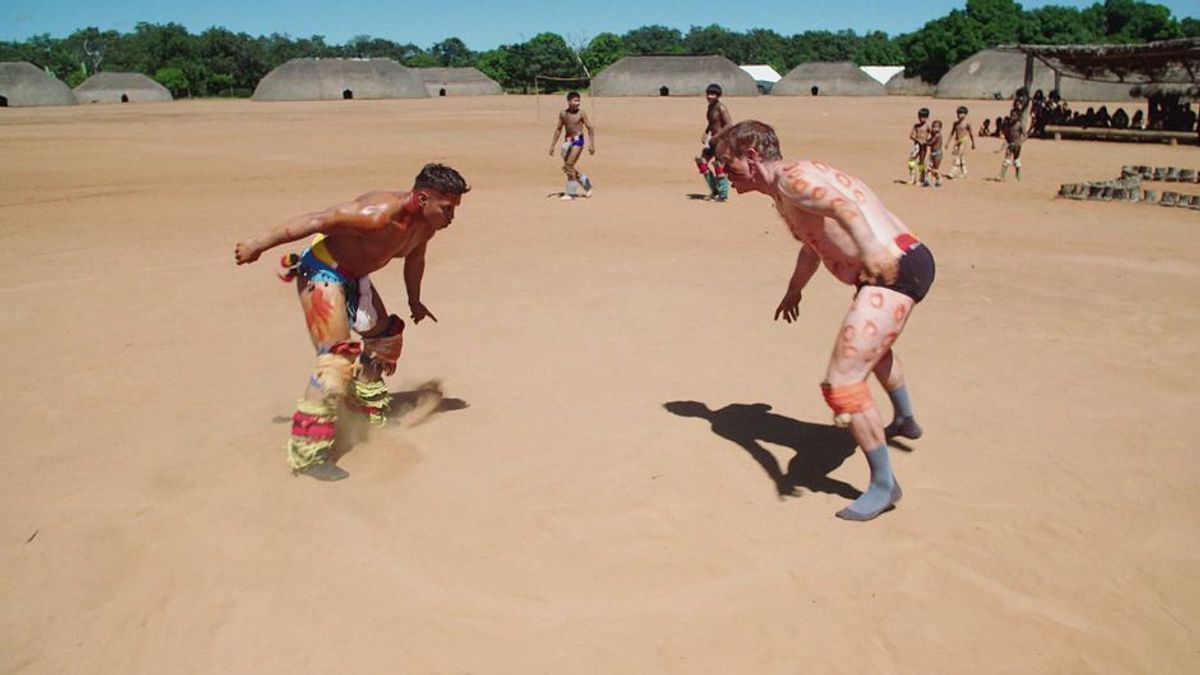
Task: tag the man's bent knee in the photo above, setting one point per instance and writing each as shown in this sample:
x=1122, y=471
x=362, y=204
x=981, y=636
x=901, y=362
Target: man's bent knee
x=335, y=368
x=846, y=399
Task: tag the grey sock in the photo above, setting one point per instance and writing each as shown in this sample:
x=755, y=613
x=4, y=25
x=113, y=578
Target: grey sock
x=883, y=492
x=903, y=424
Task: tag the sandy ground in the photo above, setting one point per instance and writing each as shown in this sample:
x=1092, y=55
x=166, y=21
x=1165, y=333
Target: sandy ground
x=594, y=495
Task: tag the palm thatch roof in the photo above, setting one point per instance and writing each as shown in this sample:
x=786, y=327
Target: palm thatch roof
x=999, y=73
x=121, y=88
x=829, y=79
x=324, y=79
x=1163, y=62
x=458, y=82
x=672, y=75
x=23, y=84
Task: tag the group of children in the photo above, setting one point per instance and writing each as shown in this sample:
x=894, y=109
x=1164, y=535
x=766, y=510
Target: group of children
x=925, y=156
x=573, y=120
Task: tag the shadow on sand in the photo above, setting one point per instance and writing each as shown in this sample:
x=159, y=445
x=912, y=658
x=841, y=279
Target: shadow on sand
x=820, y=448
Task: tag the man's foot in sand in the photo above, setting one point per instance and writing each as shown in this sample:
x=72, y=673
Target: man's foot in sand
x=323, y=471
x=904, y=427
x=876, y=500
x=567, y=197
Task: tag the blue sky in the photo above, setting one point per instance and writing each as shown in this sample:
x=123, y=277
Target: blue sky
x=480, y=23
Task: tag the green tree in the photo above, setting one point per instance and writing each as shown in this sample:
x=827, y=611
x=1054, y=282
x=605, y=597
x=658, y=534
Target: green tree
x=877, y=49
x=603, y=50
x=173, y=79
x=653, y=40
x=452, y=52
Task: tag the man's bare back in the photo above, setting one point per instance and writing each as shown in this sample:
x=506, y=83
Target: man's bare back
x=809, y=191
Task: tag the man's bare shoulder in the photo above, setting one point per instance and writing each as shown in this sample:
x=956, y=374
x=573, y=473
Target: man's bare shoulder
x=381, y=204
x=381, y=198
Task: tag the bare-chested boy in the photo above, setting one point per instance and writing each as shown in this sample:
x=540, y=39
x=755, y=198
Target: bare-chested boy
x=710, y=167
x=574, y=120
x=353, y=240
x=959, y=132
x=1014, y=136
x=840, y=222
x=934, y=144
x=916, y=155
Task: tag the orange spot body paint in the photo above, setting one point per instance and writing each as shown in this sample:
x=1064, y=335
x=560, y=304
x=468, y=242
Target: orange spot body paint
x=843, y=179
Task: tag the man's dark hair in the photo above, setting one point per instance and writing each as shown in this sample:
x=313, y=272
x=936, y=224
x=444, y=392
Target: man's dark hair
x=749, y=134
x=441, y=178
x=962, y=109
x=713, y=88
x=572, y=94
x=923, y=112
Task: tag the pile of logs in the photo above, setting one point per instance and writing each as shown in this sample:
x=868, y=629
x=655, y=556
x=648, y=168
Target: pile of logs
x=1128, y=188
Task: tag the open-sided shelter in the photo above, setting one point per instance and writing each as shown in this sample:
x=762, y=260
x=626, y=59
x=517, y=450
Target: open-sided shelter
x=1078, y=72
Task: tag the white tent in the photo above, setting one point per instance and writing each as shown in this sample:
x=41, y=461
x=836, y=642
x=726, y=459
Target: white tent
x=764, y=76
x=881, y=74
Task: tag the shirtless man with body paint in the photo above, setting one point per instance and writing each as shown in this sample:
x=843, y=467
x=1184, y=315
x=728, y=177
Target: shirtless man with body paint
x=351, y=241
x=574, y=120
x=717, y=117
x=840, y=222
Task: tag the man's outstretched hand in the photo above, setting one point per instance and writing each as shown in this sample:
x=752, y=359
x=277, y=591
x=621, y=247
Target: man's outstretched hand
x=245, y=252
x=420, y=311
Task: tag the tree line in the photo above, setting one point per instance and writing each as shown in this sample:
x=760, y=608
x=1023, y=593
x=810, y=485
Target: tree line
x=220, y=62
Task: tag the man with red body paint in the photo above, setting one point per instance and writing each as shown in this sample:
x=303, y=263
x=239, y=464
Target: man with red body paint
x=353, y=240
x=840, y=222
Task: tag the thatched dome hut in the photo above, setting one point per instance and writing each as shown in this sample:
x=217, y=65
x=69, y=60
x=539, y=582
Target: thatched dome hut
x=670, y=75
x=900, y=85
x=327, y=79
x=121, y=88
x=995, y=74
x=828, y=79
x=458, y=82
x=23, y=84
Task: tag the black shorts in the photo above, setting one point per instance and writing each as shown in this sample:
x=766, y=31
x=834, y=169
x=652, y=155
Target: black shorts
x=915, y=275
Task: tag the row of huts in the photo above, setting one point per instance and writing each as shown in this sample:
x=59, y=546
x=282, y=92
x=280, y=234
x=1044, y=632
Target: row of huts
x=987, y=74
